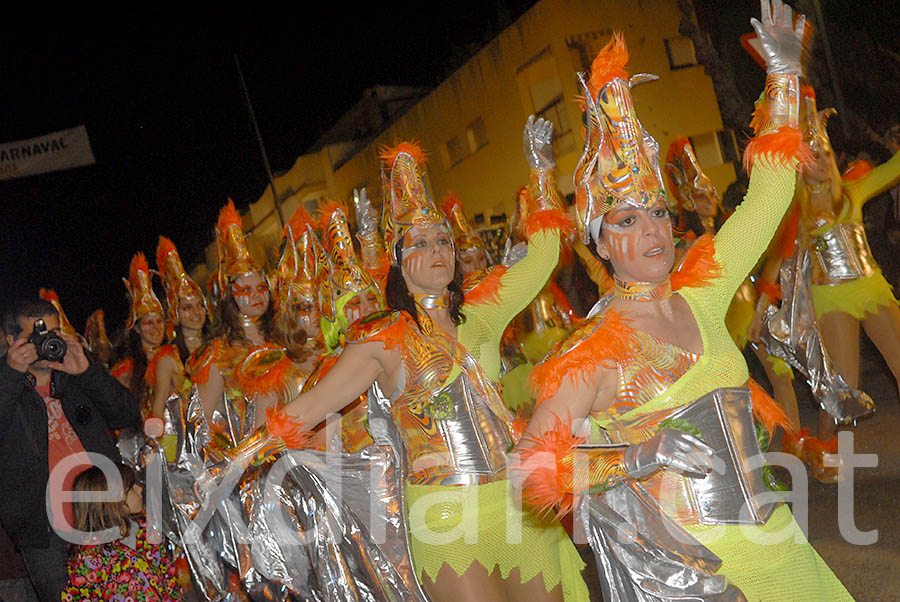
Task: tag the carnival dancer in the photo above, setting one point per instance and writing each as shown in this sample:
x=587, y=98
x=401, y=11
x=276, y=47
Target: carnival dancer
x=238, y=363
x=187, y=313
x=436, y=355
x=97, y=341
x=151, y=369
x=647, y=353
x=847, y=286
x=694, y=199
x=471, y=253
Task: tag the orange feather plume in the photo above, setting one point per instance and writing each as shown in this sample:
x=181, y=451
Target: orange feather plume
x=609, y=64
x=487, y=290
x=138, y=264
x=767, y=411
x=450, y=201
x=857, y=170
x=549, y=473
x=807, y=91
x=389, y=153
x=610, y=342
x=549, y=219
x=676, y=148
x=163, y=249
x=164, y=351
x=293, y=432
x=518, y=426
x=782, y=145
x=699, y=266
x=325, y=211
x=298, y=223
x=49, y=295
x=228, y=216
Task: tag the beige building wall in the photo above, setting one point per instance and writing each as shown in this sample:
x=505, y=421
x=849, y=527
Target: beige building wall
x=471, y=124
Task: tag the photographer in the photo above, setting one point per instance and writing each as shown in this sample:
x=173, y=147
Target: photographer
x=54, y=403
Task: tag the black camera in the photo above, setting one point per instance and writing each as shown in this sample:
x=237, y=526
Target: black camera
x=50, y=346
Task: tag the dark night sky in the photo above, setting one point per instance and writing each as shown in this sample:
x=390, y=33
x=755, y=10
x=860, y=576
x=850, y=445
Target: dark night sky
x=169, y=127
x=160, y=97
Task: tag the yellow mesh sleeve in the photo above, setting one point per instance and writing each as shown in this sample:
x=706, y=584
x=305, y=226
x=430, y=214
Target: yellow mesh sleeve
x=744, y=237
x=874, y=183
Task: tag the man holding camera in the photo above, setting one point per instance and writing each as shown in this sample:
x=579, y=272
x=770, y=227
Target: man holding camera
x=55, y=405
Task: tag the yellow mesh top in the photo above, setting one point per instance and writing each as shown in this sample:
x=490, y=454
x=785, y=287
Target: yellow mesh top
x=874, y=183
x=485, y=322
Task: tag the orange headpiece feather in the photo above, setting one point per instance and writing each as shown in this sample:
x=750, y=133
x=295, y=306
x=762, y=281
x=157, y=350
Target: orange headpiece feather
x=177, y=283
x=95, y=331
x=140, y=289
x=64, y=325
x=408, y=203
x=234, y=258
x=303, y=266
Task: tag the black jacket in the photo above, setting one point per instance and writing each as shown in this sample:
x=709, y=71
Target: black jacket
x=94, y=402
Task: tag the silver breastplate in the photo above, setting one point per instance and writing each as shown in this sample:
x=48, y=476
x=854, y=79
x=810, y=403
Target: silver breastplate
x=842, y=254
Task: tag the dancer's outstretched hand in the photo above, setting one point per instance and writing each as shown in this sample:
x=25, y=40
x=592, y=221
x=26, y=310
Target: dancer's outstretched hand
x=782, y=43
x=366, y=216
x=538, y=140
x=669, y=448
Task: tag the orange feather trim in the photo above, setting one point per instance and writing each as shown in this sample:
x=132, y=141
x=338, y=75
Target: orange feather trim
x=450, y=201
x=163, y=249
x=608, y=343
x=271, y=381
x=518, y=426
x=292, y=431
x=609, y=64
x=326, y=210
x=699, y=266
x=49, y=295
x=164, y=351
x=549, y=219
x=782, y=146
x=772, y=290
x=547, y=463
x=121, y=368
x=298, y=223
x=767, y=411
x=857, y=170
x=488, y=290
x=412, y=147
x=390, y=336
x=228, y=216
x=201, y=376
x=138, y=264
x=807, y=90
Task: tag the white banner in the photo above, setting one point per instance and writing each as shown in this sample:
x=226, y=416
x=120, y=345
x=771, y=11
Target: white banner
x=53, y=152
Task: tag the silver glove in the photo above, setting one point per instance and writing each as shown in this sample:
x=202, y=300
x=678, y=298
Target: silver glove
x=782, y=44
x=366, y=217
x=672, y=449
x=538, y=140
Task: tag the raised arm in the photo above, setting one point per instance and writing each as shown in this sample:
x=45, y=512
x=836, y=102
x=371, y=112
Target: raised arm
x=522, y=282
x=875, y=182
x=770, y=156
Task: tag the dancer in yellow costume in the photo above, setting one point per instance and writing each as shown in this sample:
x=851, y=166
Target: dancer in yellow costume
x=435, y=357
x=847, y=286
x=648, y=352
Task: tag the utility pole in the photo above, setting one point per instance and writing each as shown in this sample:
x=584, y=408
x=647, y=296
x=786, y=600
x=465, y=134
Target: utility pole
x=835, y=82
x=262, y=147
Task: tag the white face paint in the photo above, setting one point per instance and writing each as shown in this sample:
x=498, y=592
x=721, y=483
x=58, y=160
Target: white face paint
x=251, y=294
x=638, y=242
x=427, y=259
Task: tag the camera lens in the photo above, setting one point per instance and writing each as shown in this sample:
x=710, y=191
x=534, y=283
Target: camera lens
x=54, y=349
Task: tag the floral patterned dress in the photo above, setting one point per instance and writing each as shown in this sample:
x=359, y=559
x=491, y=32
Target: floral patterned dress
x=124, y=570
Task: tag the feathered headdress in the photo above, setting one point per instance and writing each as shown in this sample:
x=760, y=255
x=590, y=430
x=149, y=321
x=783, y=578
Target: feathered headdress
x=303, y=265
x=347, y=275
x=234, y=258
x=140, y=289
x=177, y=283
x=620, y=162
x=95, y=331
x=408, y=203
x=464, y=236
x=686, y=178
x=65, y=326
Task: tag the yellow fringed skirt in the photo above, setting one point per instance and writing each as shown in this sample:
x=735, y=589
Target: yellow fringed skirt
x=856, y=297
x=458, y=526
x=772, y=562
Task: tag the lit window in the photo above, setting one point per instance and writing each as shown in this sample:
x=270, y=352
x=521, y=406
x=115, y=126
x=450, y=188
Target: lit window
x=681, y=53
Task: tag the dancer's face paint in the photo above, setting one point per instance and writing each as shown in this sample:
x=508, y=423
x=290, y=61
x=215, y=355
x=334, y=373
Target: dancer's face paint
x=251, y=293
x=427, y=259
x=151, y=329
x=638, y=242
x=362, y=304
x=472, y=260
x=191, y=312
